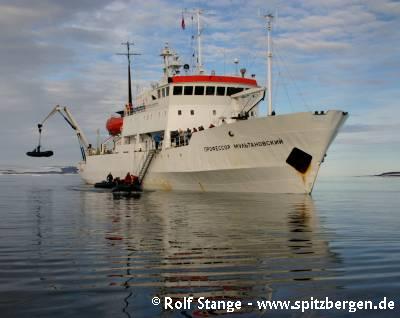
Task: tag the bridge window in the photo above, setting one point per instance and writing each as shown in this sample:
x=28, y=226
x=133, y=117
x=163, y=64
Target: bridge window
x=192, y=112
x=210, y=90
x=179, y=112
x=233, y=90
x=167, y=91
x=199, y=90
x=214, y=112
x=220, y=91
x=188, y=90
x=178, y=90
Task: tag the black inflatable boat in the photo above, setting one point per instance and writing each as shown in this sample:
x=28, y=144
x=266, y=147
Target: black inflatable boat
x=36, y=153
x=127, y=188
x=105, y=185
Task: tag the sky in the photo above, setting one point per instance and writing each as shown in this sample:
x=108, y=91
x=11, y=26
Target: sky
x=336, y=54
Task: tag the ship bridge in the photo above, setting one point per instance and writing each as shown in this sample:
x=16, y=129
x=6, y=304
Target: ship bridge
x=190, y=103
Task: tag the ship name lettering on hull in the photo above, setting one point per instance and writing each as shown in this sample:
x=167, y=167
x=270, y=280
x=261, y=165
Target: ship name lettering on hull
x=245, y=145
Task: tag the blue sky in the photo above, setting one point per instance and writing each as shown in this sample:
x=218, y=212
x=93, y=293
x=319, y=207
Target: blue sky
x=327, y=54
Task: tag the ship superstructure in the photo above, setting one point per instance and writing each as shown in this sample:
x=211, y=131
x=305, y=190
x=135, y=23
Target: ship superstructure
x=203, y=132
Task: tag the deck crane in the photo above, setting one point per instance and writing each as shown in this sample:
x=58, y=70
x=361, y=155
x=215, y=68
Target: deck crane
x=65, y=113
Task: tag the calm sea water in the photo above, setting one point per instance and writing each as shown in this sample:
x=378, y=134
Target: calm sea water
x=67, y=250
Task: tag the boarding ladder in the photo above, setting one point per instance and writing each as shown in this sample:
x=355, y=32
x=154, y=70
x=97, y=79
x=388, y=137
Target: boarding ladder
x=146, y=164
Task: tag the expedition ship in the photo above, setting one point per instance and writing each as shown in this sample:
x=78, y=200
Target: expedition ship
x=202, y=132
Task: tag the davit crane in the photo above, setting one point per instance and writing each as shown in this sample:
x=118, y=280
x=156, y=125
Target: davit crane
x=66, y=114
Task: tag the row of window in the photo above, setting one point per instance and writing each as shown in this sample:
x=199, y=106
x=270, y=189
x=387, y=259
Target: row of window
x=199, y=90
x=208, y=90
x=163, y=92
x=214, y=112
x=164, y=113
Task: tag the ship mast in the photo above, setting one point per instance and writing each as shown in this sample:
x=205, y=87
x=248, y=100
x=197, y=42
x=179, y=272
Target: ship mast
x=199, y=57
x=128, y=55
x=269, y=18
x=199, y=60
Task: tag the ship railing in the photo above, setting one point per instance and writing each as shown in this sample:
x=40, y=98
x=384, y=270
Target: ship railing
x=152, y=145
x=138, y=109
x=104, y=148
x=135, y=110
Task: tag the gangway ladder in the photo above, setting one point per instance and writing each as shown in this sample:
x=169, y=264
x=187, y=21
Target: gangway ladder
x=146, y=165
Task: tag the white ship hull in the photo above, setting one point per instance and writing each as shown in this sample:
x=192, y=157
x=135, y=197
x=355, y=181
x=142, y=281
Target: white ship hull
x=244, y=156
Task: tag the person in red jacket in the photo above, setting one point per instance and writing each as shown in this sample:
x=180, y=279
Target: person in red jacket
x=128, y=179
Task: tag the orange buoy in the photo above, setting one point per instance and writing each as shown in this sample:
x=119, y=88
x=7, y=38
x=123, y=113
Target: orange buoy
x=114, y=125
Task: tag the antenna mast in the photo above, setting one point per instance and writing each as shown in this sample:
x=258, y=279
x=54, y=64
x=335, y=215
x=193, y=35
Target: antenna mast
x=199, y=62
x=269, y=18
x=199, y=57
x=128, y=55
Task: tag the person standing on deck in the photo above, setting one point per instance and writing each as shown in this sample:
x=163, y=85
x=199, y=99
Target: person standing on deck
x=110, y=178
x=157, y=139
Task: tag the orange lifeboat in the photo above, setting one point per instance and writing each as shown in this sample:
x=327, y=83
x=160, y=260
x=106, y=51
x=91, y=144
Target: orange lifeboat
x=114, y=125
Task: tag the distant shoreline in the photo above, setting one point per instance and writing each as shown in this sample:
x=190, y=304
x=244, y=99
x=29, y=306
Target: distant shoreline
x=59, y=170
x=388, y=174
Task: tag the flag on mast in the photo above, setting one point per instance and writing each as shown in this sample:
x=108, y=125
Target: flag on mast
x=183, y=22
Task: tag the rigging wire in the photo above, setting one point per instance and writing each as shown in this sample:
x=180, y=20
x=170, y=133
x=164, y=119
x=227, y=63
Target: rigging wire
x=281, y=59
x=281, y=80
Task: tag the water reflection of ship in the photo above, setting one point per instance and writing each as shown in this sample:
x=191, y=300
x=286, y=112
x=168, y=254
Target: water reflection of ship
x=247, y=247
x=278, y=241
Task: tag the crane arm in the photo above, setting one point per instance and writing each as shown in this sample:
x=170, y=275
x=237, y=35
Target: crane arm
x=53, y=111
x=66, y=114
x=79, y=132
x=245, y=101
